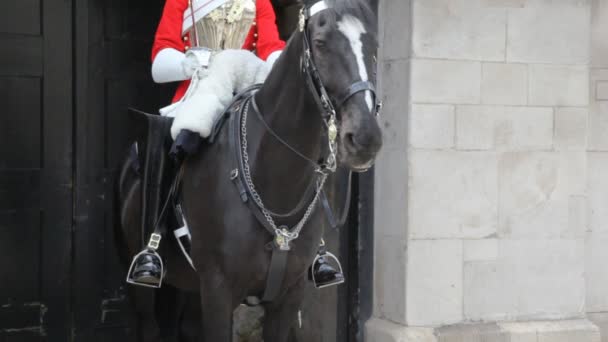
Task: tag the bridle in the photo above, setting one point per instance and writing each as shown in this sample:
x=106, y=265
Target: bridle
x=319, y=91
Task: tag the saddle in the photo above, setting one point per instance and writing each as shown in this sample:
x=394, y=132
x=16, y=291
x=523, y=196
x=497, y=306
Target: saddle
x=150, y=158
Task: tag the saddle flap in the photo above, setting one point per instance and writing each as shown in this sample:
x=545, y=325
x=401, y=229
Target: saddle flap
x=140, y=124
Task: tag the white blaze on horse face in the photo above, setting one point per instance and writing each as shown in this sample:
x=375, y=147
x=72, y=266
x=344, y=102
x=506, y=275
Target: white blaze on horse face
x=353, y=29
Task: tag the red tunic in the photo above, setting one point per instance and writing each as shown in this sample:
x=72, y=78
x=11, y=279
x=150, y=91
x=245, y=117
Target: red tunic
x=263, y=36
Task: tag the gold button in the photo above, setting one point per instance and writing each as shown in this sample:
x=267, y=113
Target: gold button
x=187, y=47
x=254, y=44
x=255, y=35
x=186, y=38
x=254, y=23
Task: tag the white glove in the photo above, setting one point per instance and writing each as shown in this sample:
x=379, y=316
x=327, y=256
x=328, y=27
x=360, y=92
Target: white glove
x=196, y=58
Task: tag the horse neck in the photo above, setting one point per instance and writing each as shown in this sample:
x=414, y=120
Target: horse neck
x=288, y=108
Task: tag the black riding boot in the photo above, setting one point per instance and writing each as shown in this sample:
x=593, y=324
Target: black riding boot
x=186, y=144
x=147, y=266
x=322, y=273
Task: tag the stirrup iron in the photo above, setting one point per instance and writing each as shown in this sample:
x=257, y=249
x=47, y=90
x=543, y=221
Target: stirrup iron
x=328, y=256
x=150, y=252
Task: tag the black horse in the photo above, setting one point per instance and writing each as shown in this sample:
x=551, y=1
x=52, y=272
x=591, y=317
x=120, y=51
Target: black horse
x=294, y=105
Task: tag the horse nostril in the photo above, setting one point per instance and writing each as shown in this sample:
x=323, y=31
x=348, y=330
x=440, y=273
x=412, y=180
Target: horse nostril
x=362, y=142
x=350, y=138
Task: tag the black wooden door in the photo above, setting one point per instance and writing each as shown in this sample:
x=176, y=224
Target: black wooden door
x=113, y=44
x=36, y=169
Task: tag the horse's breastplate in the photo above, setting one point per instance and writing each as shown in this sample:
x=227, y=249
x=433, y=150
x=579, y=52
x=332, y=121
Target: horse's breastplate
x=227, y=26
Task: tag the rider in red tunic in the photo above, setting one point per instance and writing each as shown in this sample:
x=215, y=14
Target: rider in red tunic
x=171, y=42
x=196, y=43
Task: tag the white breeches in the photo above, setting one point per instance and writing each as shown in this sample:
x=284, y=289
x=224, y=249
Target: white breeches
x=212, y=89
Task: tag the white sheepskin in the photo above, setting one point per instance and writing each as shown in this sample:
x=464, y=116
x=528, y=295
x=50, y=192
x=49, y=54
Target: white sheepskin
x=231, y=71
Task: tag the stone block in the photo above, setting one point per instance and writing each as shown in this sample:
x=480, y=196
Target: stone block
x=480, y=250
x=598, y=126
x=391, y=209
x=434, y=282
x=504, y=128
x=601, y=90
x=531, y=279
x=556, y=85
x=571, y=128
x=379, y=330
x=601, y=321
x=395, y=30
x=461, y=205
x=538, y=194
x=458, y=29
x=596, y=255
x=394, y=88
x=471, y=333
x=443, y=81
x=580, y=330
x=523, y=128
x=390, y=278
x=599, y=27
x=432, y=126
x=554, y=32
x=598, y=192
x=598, y=114
x=575, y=330
x=475, y=127
x=487, y=293
x=505, y=84
x=504, y=3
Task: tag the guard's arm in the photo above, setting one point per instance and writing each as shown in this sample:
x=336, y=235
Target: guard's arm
x=168, y=56
x=268, y=45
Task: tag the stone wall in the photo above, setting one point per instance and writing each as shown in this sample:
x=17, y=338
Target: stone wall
x=492, y=189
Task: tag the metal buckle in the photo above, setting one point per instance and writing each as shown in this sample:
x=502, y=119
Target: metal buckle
x=283, y=238
x=234, y=174
x=379, y=106
x=154, y=241
x=302, y=20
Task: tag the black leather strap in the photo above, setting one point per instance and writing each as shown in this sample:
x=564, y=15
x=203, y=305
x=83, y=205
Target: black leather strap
x=337, y=222
x=276, y=274
x=357, y=88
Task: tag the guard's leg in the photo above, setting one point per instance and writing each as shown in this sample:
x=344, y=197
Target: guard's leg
x=282, y=314
x=146, y=268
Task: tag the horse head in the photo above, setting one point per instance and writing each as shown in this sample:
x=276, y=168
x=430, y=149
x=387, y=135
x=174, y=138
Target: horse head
x=343, y=43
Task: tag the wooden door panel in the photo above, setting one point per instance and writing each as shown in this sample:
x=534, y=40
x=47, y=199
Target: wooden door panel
x=35, y=169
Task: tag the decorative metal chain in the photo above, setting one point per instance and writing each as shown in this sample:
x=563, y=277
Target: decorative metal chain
x=295, y=232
